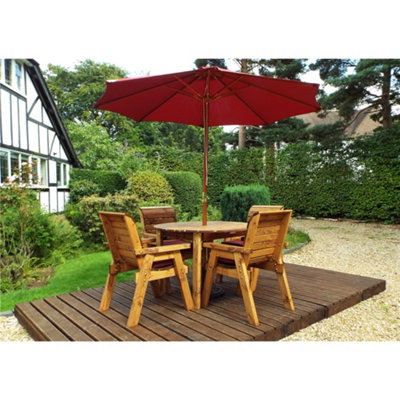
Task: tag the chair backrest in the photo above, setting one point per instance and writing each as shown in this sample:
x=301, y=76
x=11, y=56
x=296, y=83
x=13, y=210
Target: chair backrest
x=254, y=209
x=150, y=216
x=266, y=232
x=122, y=237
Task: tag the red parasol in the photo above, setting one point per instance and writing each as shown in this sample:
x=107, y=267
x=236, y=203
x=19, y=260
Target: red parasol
x=209, y=96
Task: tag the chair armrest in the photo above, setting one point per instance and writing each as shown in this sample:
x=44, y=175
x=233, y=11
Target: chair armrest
x=147, y=241
x=148, y=235
x=226, y=247
x=163, y=249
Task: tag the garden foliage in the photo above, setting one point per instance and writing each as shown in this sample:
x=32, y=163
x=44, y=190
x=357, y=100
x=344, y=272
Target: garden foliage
x=357, y=179
x=237, y=200
x=149, y=186
x=30, y=238
x=86, y=182
x=187, y=191
x=85, y=214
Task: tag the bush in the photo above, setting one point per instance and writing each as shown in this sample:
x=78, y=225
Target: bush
x=29, y=237
x=237, y=200
x=187, y=191
x=85, y=214
x=86, y=182
x=236, y=167
x=356, y=179
x=149, y=186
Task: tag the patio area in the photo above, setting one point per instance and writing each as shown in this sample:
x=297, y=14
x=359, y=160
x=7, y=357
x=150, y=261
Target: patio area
x=317, y=294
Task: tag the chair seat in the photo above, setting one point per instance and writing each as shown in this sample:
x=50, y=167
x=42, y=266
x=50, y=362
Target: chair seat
x=237, y=242
x=170, y=242
x=162, y=264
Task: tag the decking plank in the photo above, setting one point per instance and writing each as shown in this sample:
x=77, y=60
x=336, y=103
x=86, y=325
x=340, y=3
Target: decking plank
x=223, y=332
x=40, y=328
x=62, y=323
x=173, y=313
x=317, y=294
x=123, y=310
x=84, y=323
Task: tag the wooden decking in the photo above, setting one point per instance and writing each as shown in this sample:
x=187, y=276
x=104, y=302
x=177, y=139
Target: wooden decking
x=317, y=294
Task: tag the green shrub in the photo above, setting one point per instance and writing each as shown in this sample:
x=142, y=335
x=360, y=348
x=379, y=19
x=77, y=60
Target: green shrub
x=237, y=200
x=236, y=167
x=29, y=238
x=85, y=214
x=357, y=179
x=187, y=191
x=86, y=182
x=149, y=186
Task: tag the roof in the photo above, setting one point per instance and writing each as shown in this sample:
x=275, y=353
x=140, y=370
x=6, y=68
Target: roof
x=360, y=125
x=45, y=96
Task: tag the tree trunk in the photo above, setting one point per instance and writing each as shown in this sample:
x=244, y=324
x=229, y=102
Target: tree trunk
x=386, y=107
x=242, y=129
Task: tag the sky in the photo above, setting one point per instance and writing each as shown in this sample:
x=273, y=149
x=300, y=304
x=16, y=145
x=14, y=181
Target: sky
x=156, y=37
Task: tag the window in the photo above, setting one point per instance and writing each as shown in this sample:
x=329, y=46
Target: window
x=14, y=163
x=13, y=74
x=18, y=75
x=3, y=166
x=7, y=71
x=62, y=174
x=43, y=172
x=59, y=174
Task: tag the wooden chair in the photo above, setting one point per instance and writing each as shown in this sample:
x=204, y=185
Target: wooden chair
x=150, y=216
x=152, y=263
x=238, y=241
x=262, y=249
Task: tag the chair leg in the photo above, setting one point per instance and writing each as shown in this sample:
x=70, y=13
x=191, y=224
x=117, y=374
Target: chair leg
x=285, y=290
x=168, y=287
x=108, y=291
x=180, y=273
x=218, y=278
x=140, y=291
x=254, y=278
x=208, y=279
x=246, y=290
x=158, y=288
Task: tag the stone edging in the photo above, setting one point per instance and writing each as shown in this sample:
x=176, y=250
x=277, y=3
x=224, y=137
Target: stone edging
x=294, y=248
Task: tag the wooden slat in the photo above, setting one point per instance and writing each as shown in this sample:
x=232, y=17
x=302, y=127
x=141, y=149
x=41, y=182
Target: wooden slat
x=62, y=323
x=37, y=324
x=317, y=294
x=84, y=323
x=121, y=306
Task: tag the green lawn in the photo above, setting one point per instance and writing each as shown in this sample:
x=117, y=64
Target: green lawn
x=87, y=271
x=90, y=271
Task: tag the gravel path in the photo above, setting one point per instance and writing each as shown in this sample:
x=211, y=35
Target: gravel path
x=358, y=248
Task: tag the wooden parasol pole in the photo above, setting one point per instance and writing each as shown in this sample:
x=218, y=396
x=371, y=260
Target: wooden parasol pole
x=205, y=162
x=206, y=107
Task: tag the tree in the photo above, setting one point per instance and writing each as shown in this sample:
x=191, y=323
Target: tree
x=274, y=68
x=76, y=91
x=362, y=84
x=93, y=145
x=212, y=62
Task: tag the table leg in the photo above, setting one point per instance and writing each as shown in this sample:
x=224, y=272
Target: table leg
x=196, y=270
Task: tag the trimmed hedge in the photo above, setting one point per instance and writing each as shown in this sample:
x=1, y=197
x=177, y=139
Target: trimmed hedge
x=85, y=214
x=86, y=182
x=149, y=186
x=187, y=191
x=357, y=179
x=237, y=200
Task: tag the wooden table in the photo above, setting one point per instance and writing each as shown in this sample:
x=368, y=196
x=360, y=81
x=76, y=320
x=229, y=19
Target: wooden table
x=198, y=233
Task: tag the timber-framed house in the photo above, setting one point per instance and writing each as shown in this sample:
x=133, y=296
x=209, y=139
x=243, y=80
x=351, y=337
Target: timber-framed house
x=31, y=131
